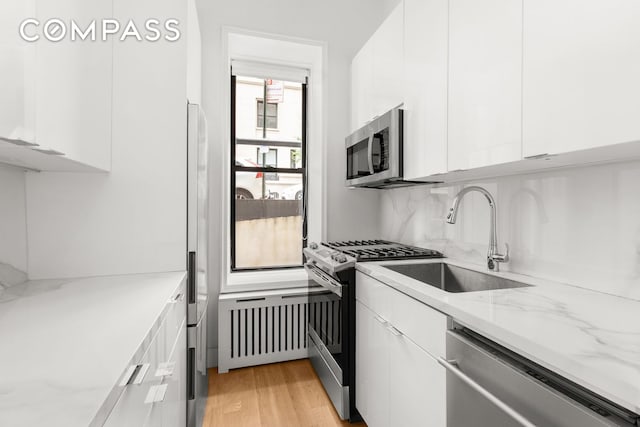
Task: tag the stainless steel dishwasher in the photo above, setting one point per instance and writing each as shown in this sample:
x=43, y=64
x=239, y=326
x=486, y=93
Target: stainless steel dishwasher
x=488, y=385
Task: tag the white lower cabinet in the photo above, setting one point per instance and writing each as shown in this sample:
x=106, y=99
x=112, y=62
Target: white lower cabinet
x=417, y=391
x=154, y=388
x=372, y=367
x=398, y=383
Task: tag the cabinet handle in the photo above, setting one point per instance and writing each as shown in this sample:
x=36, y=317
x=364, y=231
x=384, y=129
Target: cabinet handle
x=178, y=298
x=165, y=369
x=452, y=366
x=394, y=331
x=128, y=375
x=142, y=372
x=380, y=319
x=536, y=156
x=49, y=151
x=134, y=375
x=156, y=393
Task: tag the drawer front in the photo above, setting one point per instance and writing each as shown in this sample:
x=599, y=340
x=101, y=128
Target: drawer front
x=374, y=294
x=131, y=409
x=174, y=319
x=420, y=323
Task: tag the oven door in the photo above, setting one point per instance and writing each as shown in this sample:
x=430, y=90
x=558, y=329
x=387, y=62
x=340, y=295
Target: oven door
x=325, y=326
x=374, y=152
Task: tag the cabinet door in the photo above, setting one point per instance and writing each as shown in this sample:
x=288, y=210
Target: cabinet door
x=74, y=86
x=425, y=87
x=388, y=62
x=485, y=83
x=372, y=367
x=17, y=67
x=581, y=67
x=417, y=391
x=361, y=87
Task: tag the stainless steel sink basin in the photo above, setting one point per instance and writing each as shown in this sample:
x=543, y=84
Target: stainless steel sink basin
x=454, y=279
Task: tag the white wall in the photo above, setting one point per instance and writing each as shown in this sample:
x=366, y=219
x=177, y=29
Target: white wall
x=344, y=27
x=579, y=226
x=132, y=220
x=13, y=227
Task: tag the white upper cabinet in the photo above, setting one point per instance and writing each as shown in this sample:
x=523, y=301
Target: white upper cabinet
x=361, y=87
x=377, y=71
x=56, y=95
x=425, y=87
x=17, y=66
x=485, y=83
x=581, y=74
x=74, y=81
x=388, y=62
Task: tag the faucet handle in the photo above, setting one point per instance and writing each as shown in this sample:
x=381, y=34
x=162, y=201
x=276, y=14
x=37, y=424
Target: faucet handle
x=501, y=257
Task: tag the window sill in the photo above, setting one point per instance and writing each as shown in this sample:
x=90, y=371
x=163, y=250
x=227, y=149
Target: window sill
x=265, y=280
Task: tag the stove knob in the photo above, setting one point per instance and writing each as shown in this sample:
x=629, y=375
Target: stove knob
x=313, y=245
x=341, y=259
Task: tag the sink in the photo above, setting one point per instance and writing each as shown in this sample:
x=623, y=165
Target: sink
x=454, y=279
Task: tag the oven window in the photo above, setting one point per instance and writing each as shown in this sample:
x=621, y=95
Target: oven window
x=358, y=160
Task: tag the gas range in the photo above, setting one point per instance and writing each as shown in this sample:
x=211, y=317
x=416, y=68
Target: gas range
x=380, y=250
x=333, y=257
x=332, y=312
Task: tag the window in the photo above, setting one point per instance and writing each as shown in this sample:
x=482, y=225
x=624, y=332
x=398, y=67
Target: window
x=267, y=157
x=272, y=114
x=268, y=220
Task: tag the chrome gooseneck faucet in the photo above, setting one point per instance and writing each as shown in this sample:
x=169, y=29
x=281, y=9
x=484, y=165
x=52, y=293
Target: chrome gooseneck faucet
x=493, y=257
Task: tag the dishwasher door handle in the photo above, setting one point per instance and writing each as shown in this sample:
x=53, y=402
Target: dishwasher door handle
x=452, y=366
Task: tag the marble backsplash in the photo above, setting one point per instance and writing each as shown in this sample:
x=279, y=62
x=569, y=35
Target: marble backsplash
x=579, y=226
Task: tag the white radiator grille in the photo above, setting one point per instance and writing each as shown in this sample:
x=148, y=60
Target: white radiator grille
x=263, y=330
x=270, y=327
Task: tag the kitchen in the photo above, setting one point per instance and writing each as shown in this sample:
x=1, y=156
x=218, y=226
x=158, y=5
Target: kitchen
x=489, y=277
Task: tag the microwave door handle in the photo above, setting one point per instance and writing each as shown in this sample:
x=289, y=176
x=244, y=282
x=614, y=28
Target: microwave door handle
x=370, y=153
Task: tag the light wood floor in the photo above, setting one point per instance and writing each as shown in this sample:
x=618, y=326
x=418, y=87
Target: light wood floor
x=278, y=395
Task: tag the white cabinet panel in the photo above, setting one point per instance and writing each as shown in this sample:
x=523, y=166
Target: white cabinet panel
x=485, y=83
x=372, y=367
x=425, y=87
x=581, y=66
x=398, y=383
x=17, y=68
x=426, y=327
x=417, y=389
x=361, y=87
x=56, y=95
x=376, y=71
x=74, y=86
x=388, y=62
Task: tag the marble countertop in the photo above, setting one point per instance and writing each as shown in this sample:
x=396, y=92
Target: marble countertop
x=65, y=343
x=588, y=337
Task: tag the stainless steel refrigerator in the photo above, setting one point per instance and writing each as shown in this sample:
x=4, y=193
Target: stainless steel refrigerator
x=197, y=218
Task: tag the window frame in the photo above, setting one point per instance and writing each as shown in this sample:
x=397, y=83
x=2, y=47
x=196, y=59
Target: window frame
x=303, y=170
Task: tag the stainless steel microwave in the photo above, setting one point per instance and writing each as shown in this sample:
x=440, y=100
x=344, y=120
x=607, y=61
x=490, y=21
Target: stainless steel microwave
x=374, y=152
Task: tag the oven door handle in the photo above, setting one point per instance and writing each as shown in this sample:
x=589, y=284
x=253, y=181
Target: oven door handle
x=324, y=280
x=370, y=153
